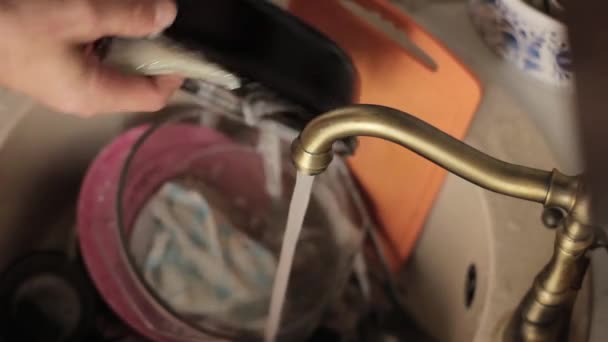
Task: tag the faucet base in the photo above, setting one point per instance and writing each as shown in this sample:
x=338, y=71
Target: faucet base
x=518, y=329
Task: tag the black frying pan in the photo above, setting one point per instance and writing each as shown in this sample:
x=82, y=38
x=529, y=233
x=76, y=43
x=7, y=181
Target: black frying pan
x=262, y=42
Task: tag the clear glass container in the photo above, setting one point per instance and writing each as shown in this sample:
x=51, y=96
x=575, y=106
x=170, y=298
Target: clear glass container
x=246, y=178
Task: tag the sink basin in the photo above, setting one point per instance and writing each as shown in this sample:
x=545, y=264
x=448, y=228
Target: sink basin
x=448, y=276
x=475, y=259
x=473, y=263
x=469, y=271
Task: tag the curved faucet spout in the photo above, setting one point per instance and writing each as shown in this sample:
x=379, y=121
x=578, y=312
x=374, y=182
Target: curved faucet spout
x=550, y=298
x=312, y=151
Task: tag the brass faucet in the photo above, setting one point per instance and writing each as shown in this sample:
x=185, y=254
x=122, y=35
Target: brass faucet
x=544, y=313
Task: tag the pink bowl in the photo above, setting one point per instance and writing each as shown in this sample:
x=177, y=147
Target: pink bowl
x=172, y=152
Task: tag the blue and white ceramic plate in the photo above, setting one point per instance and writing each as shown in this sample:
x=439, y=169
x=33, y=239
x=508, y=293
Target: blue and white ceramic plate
x=526, y=37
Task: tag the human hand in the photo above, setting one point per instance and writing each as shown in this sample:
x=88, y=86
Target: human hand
x=46, y=48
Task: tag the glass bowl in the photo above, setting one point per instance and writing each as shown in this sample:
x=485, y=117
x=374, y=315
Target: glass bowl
x=245, y=176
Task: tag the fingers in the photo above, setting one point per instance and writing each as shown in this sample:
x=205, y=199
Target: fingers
x=129, y=18
x=42, y=45
x=105, y=90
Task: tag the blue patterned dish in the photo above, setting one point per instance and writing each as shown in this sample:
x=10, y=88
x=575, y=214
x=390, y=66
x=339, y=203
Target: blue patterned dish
x=526, y=37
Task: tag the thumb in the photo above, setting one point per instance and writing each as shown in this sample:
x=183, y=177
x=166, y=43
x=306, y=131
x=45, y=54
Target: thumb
x=131, y=18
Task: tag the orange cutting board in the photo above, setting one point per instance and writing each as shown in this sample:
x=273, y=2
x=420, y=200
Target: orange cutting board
x=400, y=185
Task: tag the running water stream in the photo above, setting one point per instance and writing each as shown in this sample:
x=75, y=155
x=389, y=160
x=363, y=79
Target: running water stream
x=295, y=219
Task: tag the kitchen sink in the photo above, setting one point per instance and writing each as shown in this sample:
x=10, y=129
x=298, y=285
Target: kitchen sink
x=473, y=263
